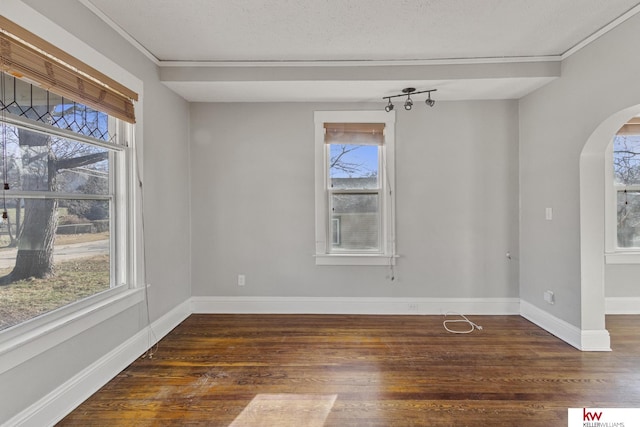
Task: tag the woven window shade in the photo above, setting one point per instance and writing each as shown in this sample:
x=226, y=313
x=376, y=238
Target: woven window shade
x=354, y=133
x=25, y=55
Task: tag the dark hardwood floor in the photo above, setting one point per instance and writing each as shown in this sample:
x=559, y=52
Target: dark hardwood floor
x=312, y=370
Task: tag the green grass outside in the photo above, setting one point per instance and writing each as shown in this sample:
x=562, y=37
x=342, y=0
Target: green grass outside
x=73, y=281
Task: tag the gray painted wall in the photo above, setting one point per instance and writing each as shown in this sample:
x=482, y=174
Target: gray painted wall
x=622, y=281
x=458, y=190
x=555, y=123
x=166, y=160
x=252, y=172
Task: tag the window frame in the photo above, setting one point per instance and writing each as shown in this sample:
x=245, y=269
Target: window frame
x=613, y=253
x=387, y=252
x=32, y=338
x=121, y=233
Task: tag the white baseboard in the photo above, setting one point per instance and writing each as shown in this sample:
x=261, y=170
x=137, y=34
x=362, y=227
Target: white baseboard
x=329, y=305
x=622, y=305
x=595, y=340
x=585, y=340
x=61, y=401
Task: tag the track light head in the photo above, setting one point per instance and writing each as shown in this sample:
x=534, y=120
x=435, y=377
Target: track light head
x=388, y=107
x=408, y=105
x=430, y=102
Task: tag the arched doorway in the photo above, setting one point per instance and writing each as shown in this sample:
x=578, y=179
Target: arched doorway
x=595, y=337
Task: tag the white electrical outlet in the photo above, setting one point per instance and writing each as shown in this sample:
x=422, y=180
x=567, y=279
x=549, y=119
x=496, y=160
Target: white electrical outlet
x=241, y=280
x=549, y=297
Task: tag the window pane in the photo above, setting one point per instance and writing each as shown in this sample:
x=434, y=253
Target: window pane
x=60, y=256
x=353, y=166
x=41, y=162
x=626, y=159
x=628, y=219
x=34, y=103
x=358, y=220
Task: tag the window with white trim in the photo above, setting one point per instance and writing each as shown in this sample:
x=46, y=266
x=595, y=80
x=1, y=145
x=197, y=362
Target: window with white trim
x=354, y=187
x=623, y=191
x=67, y=201
x=63, y=238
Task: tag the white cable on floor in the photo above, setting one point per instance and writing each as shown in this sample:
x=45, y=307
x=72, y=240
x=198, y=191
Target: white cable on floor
x=463, y=320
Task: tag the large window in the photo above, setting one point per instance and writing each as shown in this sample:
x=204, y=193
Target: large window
x=354, y=188
x=63, y=236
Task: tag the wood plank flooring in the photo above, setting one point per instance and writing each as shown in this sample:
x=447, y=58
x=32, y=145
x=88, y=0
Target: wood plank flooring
x=331, y=370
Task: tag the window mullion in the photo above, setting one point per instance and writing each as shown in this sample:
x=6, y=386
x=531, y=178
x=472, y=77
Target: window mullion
x=628, y=187
x=356, y=191
x=55, y=195
x=48, y=129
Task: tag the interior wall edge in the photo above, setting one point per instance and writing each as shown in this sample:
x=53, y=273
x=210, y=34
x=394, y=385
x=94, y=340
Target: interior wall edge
x=584, y=340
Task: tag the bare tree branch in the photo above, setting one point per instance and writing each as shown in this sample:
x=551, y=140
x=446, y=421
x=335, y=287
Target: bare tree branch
x=337, y=162
x=75, y=162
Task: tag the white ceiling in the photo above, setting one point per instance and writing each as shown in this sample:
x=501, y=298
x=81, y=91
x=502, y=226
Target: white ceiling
x=356, y=34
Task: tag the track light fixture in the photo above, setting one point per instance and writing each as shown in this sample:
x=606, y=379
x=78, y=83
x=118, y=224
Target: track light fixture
x=408, y=104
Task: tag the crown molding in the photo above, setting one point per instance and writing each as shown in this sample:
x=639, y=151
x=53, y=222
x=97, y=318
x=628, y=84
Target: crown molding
x=601, y=32
x=362, y=63
x=118, y=29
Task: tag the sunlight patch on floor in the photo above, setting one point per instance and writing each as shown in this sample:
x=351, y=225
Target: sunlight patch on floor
x=284, y=410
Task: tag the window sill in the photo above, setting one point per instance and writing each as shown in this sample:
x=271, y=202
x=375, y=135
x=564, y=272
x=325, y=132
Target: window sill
x=622, y=258
x=355, y=259
x=20, y=348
